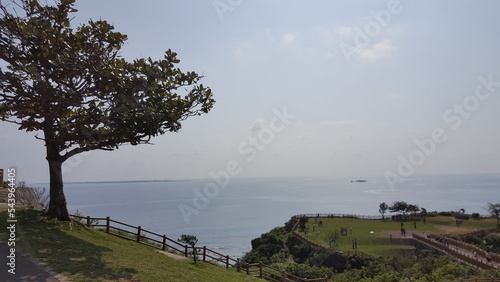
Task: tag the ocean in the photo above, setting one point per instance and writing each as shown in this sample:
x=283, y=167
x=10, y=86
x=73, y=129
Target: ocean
x=226, y=214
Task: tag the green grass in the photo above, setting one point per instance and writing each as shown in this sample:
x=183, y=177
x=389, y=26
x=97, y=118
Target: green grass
x=85, y=254
x=378, y=245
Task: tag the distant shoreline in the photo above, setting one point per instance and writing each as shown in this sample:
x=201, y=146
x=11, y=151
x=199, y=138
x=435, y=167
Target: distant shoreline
x=123, y=181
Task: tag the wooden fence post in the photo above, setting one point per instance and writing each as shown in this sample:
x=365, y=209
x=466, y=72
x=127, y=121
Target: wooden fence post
x=204, y=253
x=138, y=234
x=107, y=224
x=238, y=265
x=186, y=250
x=260, y=270
x=164, y=245
x=227, y=261
x=283, y=276
x=88, y=220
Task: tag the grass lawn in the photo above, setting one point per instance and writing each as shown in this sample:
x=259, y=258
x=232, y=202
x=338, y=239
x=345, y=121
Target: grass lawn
x=378, y=245
x=84, y=254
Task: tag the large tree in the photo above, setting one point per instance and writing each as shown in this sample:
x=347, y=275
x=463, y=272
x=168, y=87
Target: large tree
x=494, y=210
x=399, y=207
x=71, y=84
x=382, y=209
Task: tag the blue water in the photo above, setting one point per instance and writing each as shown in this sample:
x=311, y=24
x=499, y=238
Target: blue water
x=231, y=216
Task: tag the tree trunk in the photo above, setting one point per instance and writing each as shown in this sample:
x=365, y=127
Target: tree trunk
x=57, y=204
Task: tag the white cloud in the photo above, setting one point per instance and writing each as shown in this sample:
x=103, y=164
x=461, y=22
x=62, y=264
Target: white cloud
x=289, y=38
x=376, y=52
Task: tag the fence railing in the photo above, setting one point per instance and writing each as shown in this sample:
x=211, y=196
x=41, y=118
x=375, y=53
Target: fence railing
x=269, y=273
x=454, y=248
x=337, y=215
x=164, y=243
x=155, y=240
x=477, y=280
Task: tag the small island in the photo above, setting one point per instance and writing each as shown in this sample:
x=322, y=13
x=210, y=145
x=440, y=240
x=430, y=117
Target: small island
x=359, y=180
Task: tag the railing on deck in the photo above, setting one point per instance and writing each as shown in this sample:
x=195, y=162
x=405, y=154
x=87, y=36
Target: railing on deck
x=459, y=250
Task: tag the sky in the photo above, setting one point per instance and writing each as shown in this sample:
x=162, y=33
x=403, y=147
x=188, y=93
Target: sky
x=306, y=88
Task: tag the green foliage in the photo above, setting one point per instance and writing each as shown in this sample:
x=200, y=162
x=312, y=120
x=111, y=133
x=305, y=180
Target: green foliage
x=190, y=240
x=71, y=84
x=494, y=210
x=302, y=223
x=492, y=242
x=278, y=247
x=382, y=209
x=332, y=237
x=266, y=246
x=307, y=271
x=83, y=221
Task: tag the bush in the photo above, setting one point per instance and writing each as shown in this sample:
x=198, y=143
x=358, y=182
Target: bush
x=309, y=272
x=476, y=215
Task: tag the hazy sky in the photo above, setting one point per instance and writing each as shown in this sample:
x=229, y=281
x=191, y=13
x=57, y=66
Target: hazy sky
x=307, y=88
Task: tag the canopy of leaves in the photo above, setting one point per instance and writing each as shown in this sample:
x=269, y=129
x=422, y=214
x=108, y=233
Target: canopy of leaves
x=72, y=83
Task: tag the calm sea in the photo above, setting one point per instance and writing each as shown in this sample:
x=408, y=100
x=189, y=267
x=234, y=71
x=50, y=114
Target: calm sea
x=227, y=218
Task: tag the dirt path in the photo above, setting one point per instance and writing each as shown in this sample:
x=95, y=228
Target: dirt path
x=174, y=256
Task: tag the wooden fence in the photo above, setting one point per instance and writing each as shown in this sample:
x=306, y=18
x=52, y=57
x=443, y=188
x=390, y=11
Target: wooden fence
x=155, y=240
x=269, y=273
x=162, y=242
x=478, y=280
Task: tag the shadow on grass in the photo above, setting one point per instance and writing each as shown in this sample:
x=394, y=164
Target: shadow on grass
x=48, y=242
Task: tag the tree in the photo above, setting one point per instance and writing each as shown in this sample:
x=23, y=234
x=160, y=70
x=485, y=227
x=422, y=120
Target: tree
x=72, y=85
x=332, y=237
x=413, y=209
x=494, y=210
x=399, y=207
x=382, y=209
x=190, y=240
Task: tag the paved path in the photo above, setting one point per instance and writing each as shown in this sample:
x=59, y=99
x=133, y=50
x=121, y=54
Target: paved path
x=396, y=234
x=26, y=270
